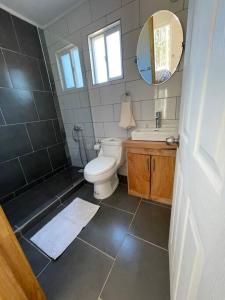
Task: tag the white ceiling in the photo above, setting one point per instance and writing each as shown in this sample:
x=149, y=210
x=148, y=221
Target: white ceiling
x=39, y=12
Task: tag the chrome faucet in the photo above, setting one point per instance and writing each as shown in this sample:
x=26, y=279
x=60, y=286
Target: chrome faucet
x=158, y=119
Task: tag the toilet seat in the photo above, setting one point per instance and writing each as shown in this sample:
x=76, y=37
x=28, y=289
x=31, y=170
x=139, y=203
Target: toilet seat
x=100, y=168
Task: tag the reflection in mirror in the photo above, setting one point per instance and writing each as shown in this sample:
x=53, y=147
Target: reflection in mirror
x=159, y=47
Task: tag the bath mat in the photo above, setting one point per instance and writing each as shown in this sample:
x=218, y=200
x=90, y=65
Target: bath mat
x=58, y=234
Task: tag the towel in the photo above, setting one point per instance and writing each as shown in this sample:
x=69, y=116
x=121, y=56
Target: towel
x=126, y=115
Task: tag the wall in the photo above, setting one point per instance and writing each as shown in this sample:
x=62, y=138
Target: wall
x=30, y=137
x=105, y=99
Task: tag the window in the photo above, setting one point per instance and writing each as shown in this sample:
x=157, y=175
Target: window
x=162, y=45
x=105, y=54
x=69, y=65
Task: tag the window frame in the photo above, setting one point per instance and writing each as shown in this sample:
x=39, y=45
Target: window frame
x=68, y=50
x=107, y=30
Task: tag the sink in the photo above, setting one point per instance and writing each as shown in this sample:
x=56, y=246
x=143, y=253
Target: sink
x=153, y=134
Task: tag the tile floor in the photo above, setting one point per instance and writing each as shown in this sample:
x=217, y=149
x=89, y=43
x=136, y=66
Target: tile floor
x=120, y=255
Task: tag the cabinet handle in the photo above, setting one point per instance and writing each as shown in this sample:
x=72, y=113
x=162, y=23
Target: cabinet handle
x=148, y=164
x=153, y=165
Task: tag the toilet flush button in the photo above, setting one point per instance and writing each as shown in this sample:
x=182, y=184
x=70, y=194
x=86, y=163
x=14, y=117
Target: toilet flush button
x=97, y=147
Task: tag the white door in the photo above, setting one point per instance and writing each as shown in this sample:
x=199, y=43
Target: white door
x=197, y=235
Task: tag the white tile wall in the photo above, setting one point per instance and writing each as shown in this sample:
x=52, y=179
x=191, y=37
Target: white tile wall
x=116, y=109
x=101, y=103
x=111, y=94
x=113, y=130
x=103, y=7
x=129, y=43
x=102, y=113
x=167, y=106
x=129, y=16
x=130, y=69
x=139, y=90
x=147, y=110
x=95, y=97
x=147, y=8
x=186, y=3
x=80, y=17
x=84, y=99
x=172, y=87
x=99, y=130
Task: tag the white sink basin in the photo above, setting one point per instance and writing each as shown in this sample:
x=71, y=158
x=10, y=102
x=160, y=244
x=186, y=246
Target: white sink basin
x=152, y=134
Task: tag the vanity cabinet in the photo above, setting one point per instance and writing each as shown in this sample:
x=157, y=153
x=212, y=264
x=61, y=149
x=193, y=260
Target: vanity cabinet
x=151, y=168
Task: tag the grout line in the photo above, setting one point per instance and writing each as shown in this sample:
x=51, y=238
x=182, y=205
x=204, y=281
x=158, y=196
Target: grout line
x=150, y=243
x=23, y=170
x=54, y=131
x=34, y=121
x=134, y=214
x=50, y=159
x=45, y=61
x=107, y=277
x=6, y=66
x=99, y=250
x=14, y=29
x=29, y=137
x=35, y=182
x=99, y=297
x=35, y=106
x=156, y=204
x=117, y=208
x=37, y=150
x=33, y=245
x=43, y=269
x=1, y=113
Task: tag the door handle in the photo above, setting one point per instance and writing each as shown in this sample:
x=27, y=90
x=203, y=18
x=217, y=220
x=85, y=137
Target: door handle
x=171, y=140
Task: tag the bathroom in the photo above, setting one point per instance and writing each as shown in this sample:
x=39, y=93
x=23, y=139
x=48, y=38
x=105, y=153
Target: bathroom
x=110, y=155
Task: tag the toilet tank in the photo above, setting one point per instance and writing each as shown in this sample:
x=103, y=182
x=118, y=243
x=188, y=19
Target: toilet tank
x=112, y=147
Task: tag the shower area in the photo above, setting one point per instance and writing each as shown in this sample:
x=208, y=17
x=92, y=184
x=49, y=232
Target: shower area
x=46, y=134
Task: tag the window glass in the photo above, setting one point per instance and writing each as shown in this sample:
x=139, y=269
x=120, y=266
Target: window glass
x=69, y=66
x=114, y=54
x=77, y=68
x=105, y=54
x=99, y=59
x=67, y=71
x=162, y=41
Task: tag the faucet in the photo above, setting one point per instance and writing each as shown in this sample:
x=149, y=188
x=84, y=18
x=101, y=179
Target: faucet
x=158, y=119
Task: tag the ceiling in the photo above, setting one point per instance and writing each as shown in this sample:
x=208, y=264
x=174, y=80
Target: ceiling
x=39, y=12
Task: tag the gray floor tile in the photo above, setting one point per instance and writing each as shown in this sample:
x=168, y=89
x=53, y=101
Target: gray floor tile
x=152, y=223
x=78, y=274
x=122, y=200
x=85, y=192
x=107, y=229
x=141, y=272
x=37, y=260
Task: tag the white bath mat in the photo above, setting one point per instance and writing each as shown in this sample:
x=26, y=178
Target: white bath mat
x=59, y=233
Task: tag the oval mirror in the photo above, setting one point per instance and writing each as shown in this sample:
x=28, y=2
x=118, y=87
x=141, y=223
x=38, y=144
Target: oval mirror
x=160, y=47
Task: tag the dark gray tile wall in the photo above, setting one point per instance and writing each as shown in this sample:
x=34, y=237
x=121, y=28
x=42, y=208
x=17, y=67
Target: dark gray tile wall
x=31, y=133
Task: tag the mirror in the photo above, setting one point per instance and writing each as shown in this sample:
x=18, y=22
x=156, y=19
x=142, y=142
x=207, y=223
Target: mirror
x=160, y=47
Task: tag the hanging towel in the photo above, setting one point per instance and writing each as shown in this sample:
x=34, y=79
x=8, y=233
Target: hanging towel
x=126, y=116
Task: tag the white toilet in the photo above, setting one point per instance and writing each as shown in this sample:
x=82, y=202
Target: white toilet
x=102, y=171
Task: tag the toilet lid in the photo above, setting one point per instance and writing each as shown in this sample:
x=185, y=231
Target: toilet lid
x=100, y=165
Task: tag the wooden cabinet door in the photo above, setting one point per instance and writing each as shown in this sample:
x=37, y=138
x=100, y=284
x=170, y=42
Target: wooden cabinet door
x=17, y=280
x=162, y=175
x=138, y=174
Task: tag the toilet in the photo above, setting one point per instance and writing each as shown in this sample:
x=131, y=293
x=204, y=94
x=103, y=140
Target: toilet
x=102, y=171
